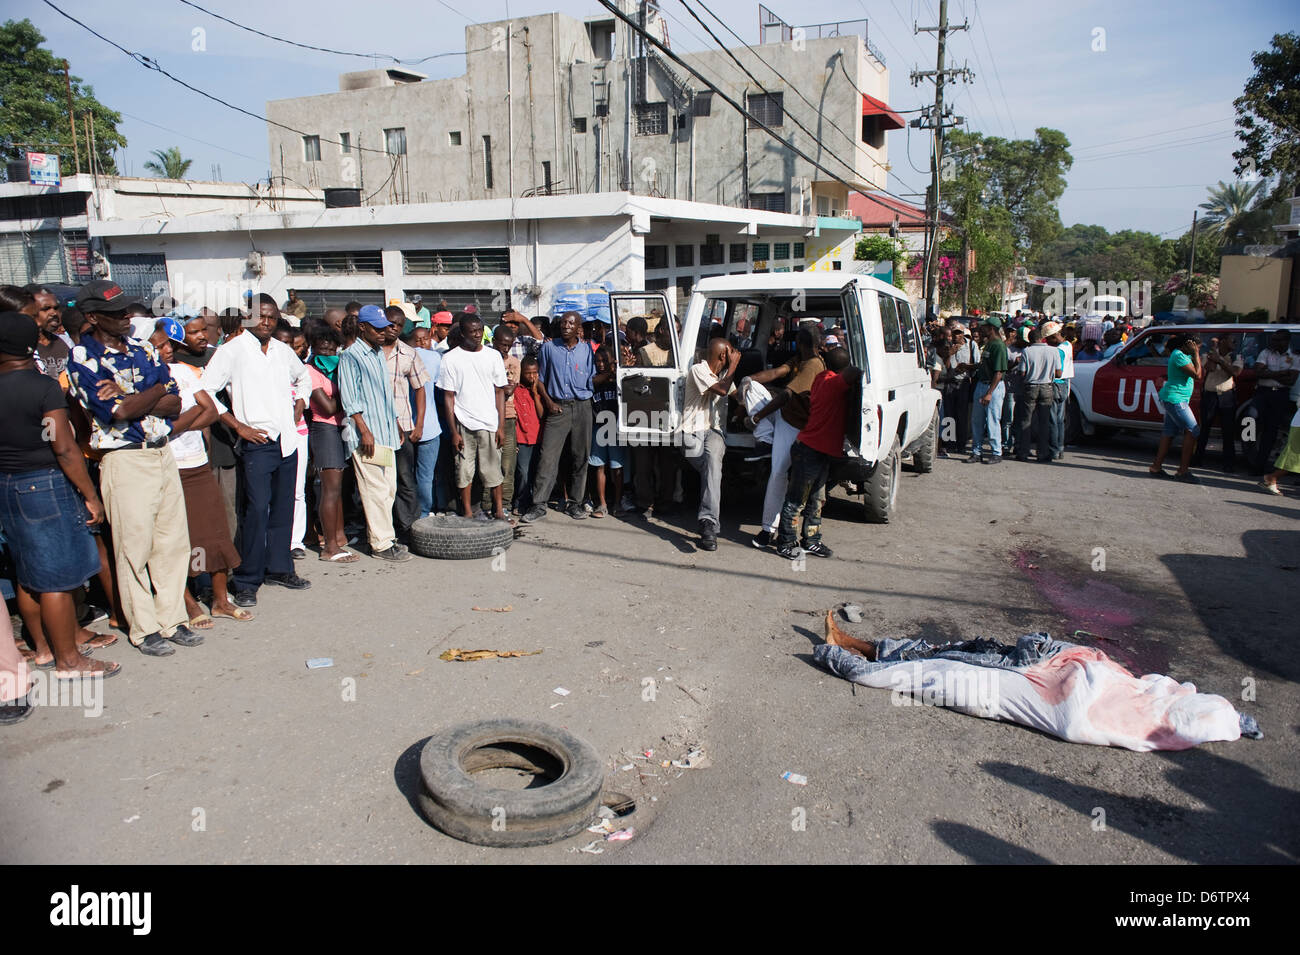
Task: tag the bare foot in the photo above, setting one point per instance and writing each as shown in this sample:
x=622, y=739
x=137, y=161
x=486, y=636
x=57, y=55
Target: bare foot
x=837, y=637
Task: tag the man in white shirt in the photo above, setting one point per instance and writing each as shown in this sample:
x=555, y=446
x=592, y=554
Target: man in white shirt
x=473, y=382
x=1061, y=386
x=263, y=376
x=1276, y=372
x=704, y=422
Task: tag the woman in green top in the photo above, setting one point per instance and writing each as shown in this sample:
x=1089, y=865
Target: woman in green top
x=1176, y=396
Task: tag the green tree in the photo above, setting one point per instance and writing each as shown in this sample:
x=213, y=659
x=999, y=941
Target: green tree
x=170, y=165
x=1237, y=207
x=882, y=248
x=1268, y=116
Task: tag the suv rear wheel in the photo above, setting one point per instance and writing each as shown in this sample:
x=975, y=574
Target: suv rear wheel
x=882, y=487
x=923, y=457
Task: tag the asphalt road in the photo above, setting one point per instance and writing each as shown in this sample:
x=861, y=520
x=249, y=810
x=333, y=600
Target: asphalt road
x=236, y=752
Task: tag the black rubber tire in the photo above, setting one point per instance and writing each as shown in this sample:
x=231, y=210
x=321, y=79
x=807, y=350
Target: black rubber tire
x=923, y=457
x=460, y=538
x=466, y=810
x=882, y=487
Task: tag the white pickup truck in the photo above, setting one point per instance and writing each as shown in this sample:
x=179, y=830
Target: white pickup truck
x=899, y=413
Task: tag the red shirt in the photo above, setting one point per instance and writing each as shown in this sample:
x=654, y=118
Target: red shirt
x=824, y=431
x=527, y=424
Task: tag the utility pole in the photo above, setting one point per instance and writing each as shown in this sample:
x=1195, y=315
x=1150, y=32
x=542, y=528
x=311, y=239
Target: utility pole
x=1191, y=256
x=72, y=121
x=937, y=119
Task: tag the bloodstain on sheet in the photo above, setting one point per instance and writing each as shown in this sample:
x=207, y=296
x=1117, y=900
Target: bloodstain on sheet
x=1106, y=611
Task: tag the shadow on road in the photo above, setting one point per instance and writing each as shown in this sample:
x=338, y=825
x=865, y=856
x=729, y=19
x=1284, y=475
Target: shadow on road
x=981, y=847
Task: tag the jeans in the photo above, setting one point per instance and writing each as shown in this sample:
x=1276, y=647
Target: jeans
x=1030, y=649
x=1060, y=400
x=431, y=491
x=1012, y=397
x=267, y=520
x=704, y=452
x=806, y=493
x=783, y=441
x=986, y=420
x=406, y=503
x=571, y=424
x=524, y=459
x=1035, y=413
x=1224, y=407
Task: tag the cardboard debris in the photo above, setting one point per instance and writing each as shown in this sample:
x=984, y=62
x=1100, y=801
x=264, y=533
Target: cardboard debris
x=467, y=656
x=506, y=609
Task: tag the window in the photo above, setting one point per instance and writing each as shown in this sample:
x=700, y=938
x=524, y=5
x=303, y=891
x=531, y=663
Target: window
x=823, y=205
x=395, y=141
x=711, y=254
x=873, y=131
x=781, y=250
x=311, y=148
x=767, y=108
x=487, y=162
x=453, y=137
x=702, y=105
x=345, y=143
x=768, y=201
x=547, y=182
x=905, y=326
x=652, y=119
x=334, y=263
x=889, y=324
x=579, y=124
x=837, y=266
x=685, y=256
x=656, y=256
x=798, y=250
x=490, y=261
x=739, y=252
x=762, y=251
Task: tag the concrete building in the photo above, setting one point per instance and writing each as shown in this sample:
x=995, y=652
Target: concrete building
x=552, y=105
x=494, y=253
x=45, y=233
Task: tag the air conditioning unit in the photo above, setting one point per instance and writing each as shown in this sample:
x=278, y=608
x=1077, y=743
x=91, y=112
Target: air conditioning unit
x=254, y=263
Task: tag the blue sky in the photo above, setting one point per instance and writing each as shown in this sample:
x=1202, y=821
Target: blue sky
x=1149, y=117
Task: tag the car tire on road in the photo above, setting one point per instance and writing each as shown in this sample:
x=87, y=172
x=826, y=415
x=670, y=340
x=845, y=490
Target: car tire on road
x=459, y=538
x=570, y=771
x=923, y=457
x=882, y=487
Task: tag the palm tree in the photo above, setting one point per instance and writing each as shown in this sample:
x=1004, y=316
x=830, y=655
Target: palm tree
x=170, y=164
x=1232, y=206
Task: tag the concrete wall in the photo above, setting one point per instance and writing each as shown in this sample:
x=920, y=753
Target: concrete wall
x=1248, y=282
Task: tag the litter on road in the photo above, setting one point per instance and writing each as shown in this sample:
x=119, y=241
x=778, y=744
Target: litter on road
x=559, y=689
x=468, y=656
x=794, y=778
x=320, y=663
x=506, y=609
x=1072, y=692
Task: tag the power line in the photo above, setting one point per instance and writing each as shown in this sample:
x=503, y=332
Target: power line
x=1159, y=132
x=794, y=89
x=1142, y=150
x=177, y=132
x=996, y=75
x=323, y=49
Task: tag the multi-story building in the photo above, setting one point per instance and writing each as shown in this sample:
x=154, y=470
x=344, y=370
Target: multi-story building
x=551, y=105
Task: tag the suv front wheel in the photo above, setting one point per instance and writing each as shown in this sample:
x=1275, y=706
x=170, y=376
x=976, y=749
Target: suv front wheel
x=882, y=487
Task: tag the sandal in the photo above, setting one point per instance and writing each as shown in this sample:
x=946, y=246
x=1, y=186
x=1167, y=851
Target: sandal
x=1271, y=488
x=598, y=512
x=98, y=668
x=239, y=614
x=202, y=622
x=81, y=648
x=342, y=557
x=98, y=642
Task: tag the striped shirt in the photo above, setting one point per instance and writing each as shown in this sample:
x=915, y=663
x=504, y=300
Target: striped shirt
x=405, y=372
x=365, y=390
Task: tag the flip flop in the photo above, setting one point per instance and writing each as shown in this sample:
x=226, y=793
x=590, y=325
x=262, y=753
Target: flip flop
x=81, y=648
x=239, y=614
x=598, y=512
x=107, y=670
x=202, y=622
x=342, y=557
x=98, y=642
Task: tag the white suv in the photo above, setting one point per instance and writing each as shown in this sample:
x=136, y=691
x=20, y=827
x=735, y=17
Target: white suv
x=899, y=414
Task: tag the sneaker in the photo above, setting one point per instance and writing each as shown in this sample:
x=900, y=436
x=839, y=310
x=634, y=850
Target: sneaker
x=789, y=551
x=183, y=636
x=1187, y=477
x=395, y=553
x=92, y=616
x=535, y=513
x=974, y=459
x=291, y=581
x=817, y=550
x=577, y=512
x=993, y=459
x=155, y=646
x=708, y=536
x=298, y=553
x=762, y=539
x=244, y=598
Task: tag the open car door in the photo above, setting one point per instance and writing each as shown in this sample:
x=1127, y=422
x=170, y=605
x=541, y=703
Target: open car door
x=862, y=425
x=650, y=388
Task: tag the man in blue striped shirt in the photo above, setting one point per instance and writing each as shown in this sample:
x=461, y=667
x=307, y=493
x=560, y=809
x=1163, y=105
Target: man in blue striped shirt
x=371, y=432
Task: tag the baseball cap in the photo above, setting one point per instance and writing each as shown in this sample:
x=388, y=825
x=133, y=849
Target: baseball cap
x=103, y=295
x=417, y=299
x=1050, y=328
x=993, y=320
x=442, y=318
x=373, y=315
x=173, y=328
x=17, y=334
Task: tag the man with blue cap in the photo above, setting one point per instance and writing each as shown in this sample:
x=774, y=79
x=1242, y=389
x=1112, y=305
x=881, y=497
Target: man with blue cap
x=371, y=434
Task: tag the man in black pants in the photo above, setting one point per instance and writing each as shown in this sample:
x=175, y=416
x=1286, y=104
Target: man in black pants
x=566, y=366
x=1041, y=363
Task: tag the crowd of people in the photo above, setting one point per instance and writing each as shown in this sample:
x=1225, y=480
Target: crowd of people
x=157, y=472
x=1005, y=386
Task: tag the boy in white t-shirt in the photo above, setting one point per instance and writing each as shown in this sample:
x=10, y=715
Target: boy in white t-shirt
x=473, y=382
